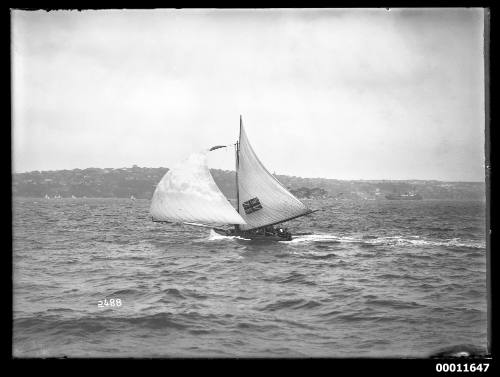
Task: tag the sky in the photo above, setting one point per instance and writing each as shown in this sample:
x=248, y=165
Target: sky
x=332, y=93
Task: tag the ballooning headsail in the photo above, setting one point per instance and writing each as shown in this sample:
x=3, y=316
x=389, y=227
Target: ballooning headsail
x=188, y=193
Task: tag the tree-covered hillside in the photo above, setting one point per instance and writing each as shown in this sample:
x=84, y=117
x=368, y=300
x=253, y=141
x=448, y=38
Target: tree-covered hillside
x=140, y=182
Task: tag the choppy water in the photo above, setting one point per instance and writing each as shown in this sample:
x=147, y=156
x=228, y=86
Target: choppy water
x=368, y=278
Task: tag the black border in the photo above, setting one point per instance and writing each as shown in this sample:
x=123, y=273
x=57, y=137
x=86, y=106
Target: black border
x=354, y=365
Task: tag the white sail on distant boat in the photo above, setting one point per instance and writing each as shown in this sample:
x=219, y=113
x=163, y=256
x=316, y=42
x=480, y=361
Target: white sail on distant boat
x=47, y=197
x=188, y=193
x=73, y=197
x=132, y=197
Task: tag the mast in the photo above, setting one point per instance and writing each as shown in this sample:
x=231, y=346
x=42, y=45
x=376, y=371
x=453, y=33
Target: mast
x=237, y=227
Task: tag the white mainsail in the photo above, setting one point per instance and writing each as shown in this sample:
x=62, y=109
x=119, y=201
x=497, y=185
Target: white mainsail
x=266, y=200
x=188, y=193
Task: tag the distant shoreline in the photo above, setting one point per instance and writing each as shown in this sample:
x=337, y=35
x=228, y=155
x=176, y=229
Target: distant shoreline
x=140, y=183
x=305, y=199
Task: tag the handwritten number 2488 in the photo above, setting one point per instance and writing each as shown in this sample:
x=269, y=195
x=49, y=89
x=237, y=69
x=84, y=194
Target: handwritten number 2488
x=112, y=302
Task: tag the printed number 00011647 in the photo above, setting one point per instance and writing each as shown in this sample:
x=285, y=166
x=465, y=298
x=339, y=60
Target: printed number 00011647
x=445, y=367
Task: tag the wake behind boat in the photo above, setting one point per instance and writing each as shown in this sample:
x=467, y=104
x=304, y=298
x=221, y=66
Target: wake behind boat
x=188, y=193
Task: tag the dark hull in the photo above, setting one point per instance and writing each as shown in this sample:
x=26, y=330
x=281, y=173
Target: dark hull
x=253, y=237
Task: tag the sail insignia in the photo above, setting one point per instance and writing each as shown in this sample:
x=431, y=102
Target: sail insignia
x=252, y=205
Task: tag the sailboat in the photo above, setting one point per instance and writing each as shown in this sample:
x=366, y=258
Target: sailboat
x=187, y=193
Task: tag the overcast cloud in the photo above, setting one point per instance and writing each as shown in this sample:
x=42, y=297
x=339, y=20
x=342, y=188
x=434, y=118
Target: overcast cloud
x=346, y=94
